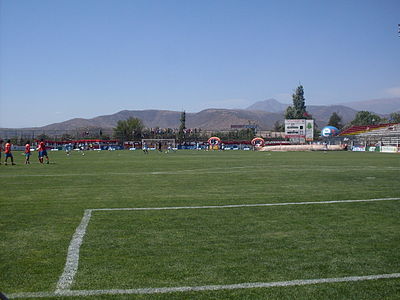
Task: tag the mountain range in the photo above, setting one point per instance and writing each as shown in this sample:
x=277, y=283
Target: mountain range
x=379, y=106
x=208, y=119
x=263, y=113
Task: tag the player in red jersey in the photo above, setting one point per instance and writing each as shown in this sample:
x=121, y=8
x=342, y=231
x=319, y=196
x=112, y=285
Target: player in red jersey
x=7, y=152
x=1, y=148
x=42, y=152
x=27, y=152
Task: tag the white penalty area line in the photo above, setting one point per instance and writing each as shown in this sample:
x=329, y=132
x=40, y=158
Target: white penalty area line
x=164, y=290
x=72, y=262
x=245, y=205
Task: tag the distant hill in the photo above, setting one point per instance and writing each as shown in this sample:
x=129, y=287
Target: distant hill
x=223, y=118
x=323, y=113
x=270, y=105
x=209, y=119
x=151, y=118
x=381, y=106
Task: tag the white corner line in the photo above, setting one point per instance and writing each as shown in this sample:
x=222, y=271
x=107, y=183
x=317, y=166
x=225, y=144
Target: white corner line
x=163, y=290
x=71, y=266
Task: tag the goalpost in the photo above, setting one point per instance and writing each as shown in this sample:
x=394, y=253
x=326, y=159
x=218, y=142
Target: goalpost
x=159, y=143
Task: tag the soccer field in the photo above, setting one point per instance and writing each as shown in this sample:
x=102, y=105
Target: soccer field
x=201, y=225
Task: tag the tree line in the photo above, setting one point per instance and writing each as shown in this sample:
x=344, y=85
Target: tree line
x=133, y=129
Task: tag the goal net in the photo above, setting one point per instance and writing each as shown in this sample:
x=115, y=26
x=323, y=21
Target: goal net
x=162, y=144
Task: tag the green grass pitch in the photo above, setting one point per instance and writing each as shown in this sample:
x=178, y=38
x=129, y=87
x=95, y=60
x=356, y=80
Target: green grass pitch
x=42, y=205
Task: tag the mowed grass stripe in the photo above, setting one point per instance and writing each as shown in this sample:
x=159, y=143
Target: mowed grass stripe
x=241, y=169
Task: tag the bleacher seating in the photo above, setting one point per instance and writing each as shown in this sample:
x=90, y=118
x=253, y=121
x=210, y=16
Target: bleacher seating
x=355, y=130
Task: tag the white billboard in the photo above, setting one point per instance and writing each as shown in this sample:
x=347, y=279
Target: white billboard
x=299, y=128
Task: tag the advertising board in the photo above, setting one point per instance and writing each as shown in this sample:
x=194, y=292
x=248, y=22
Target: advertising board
x=299, y=128
x=309, y=130
x=358, y=148
x=389, y=149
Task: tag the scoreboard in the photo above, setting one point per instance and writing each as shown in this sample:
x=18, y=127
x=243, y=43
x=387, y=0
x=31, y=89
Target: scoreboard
x=299, y=129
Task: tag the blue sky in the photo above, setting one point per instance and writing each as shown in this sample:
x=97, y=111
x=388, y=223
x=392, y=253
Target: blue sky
x=61, y=59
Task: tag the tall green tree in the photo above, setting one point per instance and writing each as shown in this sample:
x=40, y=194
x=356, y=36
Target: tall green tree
x=129, y=130
x=335, y=120
x=279, y=127
x=366, y=118
x=298, y=109
x=290, y=113
x=395, y=117
x=182, y=127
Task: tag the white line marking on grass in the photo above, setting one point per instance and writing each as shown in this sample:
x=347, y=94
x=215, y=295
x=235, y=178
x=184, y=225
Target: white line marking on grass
x=245, y=205
x=71, y=265
x=163, y=290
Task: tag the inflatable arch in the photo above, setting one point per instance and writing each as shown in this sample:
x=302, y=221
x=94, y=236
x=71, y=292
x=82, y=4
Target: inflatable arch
x=214, y=142
x=258, y=142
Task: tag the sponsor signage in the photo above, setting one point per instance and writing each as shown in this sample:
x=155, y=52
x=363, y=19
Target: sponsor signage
x=309, y=130
x=299, y=128
x=358, y=148
x=390, y=149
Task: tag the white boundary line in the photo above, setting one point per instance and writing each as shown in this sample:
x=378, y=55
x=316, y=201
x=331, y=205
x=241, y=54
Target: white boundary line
x=245, y=205
x=71, y=266
x=252, y=285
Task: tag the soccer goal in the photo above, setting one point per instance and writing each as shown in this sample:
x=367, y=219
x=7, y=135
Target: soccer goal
x=159, y=144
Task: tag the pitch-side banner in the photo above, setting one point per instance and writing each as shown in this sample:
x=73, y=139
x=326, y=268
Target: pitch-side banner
x=309, y=130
